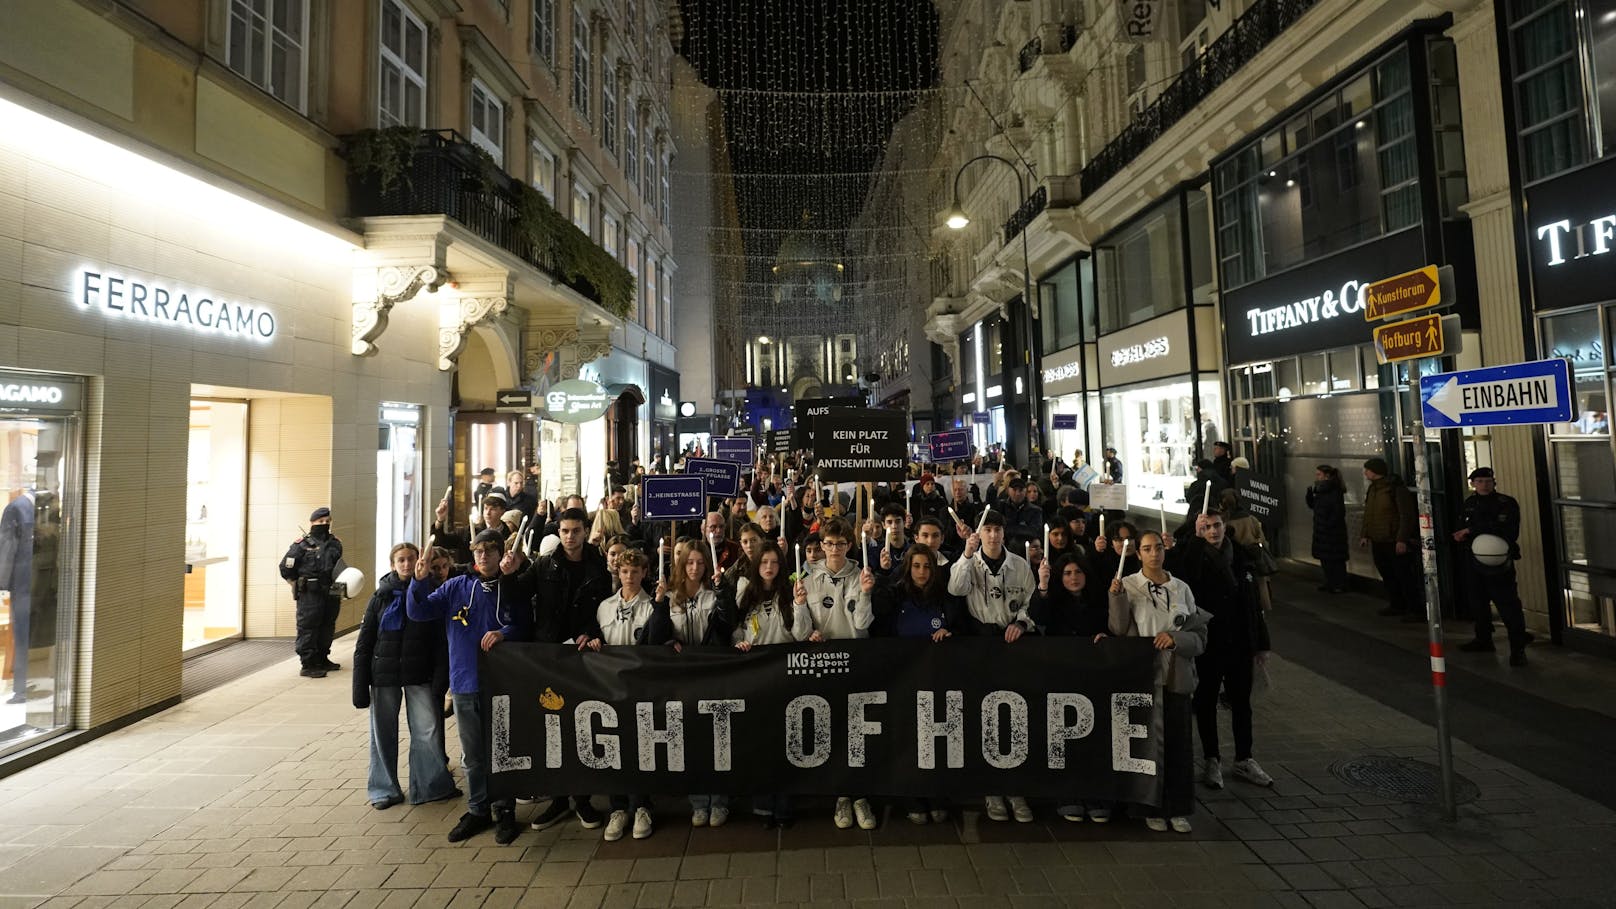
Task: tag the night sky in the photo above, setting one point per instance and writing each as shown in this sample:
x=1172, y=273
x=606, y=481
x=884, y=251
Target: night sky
x=811, y=89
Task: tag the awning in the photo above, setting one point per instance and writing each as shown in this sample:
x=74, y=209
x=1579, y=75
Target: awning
x=629, y=390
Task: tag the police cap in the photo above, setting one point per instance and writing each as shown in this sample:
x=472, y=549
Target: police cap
x=321, y=512
x=1481, y=473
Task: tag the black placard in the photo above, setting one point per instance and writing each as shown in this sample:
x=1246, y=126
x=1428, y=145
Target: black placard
x=1044, y=717
x=861, y=445
x=803, y=413
x=1264, y=497
x=1317, y=306
x=779, y=441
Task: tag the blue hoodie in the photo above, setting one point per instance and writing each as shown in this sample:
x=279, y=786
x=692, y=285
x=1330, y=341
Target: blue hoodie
x=470, y=608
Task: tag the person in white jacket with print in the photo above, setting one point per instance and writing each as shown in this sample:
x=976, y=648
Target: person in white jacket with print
x=837, y=595
x=626, y=618
x=997, y=585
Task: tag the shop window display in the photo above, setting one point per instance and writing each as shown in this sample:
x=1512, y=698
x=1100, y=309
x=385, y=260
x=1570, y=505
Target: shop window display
x=1154, y=428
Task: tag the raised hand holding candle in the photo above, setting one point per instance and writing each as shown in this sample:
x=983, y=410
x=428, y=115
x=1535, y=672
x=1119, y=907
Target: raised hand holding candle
x=1206, y=497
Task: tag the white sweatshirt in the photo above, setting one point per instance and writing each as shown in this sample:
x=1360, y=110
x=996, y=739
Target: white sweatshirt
x=766, y=624
x=1156, y=608
x=691, y=617
x=839, y=608
x=994, y=598
x=623, y=621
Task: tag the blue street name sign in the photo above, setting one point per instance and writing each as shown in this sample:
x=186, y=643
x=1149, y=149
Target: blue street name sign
x=1520, y=393
x=1063, y=421
x=723, y=477
x=740, y=449
x=981, y=416
x=950, y=445
x=672, y=498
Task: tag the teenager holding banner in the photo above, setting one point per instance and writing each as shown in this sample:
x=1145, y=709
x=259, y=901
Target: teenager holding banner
x=627, y=619
x=917, y=604
x=1154, y=604
x=1067, y=604
x=837, y=594
x=760, y=610
x=996, y=584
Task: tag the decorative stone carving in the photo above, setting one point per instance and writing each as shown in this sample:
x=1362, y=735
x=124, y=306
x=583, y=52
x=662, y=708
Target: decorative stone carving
x=452, y=329
x=394, y=284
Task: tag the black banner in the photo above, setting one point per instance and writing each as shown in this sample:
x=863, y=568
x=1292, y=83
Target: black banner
x=861, y=445
x=1264, y=497
x=778, y=441
x=802, y=417
x=1044, y=717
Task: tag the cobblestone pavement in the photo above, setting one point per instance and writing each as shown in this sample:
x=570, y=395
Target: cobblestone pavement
x=252, y=795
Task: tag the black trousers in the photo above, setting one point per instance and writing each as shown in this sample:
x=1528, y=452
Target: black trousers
x=1402, y=576
x=1335, y=573
x=316, y=625
x=1483, y=590
x=1178, y=778
x=1233, y=670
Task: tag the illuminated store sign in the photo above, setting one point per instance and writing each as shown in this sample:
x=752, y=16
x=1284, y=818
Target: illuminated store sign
x=1308, y=310
x=1562, y=241
x=1139, y=353
x=1064, y=371
x=22, y=391
x=119, y=296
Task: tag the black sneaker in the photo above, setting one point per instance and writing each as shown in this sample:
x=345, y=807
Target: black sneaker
x=588, y=817
x=506, y=829
x=1479, y=645
x=312, y=672
x=469, y=826
x=329, y=666
x=553, y=814
x=1517, y=658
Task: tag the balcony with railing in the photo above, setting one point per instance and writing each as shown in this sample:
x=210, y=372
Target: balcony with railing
x=1245, y=39
x=1028, y=56
x=437, y=172
x=1030, y=208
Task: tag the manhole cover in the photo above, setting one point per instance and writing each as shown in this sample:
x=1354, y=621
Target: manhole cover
x=1404, y=779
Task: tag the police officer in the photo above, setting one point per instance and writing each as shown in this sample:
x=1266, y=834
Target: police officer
x=1489, y=511
x=312, y=564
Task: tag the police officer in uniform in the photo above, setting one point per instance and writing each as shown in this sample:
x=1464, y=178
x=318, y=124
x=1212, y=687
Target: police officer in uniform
x=312, y=564
x=1489, y=511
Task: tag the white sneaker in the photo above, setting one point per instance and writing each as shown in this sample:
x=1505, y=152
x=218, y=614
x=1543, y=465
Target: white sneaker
x=615, y=825
x=1157, y=824
x=1180, y=824
x=699, y=817
x=918, y=817
x=939, y=815
x=1100, y=814
x=1252, y=772
x=996, y=809
x=865, y=814
x=844, y=814
x=1212, y=774
x=642, y=823
x=719, y=815
x=1073, y=813
x=1021, y=810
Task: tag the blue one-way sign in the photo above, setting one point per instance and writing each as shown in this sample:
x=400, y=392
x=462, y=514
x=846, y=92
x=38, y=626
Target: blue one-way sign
x=1536, y=392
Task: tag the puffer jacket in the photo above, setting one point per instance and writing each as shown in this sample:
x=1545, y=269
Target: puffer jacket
x=416, y=655
x=1390, y=514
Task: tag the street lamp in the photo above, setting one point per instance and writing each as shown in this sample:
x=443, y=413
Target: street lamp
x=956, y=219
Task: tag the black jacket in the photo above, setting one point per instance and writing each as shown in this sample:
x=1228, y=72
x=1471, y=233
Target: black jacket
x=1059, y=612
x=1329, y=506
x=1227, y=590
x=562, y=608
x=416, y=655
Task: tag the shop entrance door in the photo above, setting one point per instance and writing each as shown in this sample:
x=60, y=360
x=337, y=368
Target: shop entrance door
x=215, y=522
x=398, y=479
x=39, y=470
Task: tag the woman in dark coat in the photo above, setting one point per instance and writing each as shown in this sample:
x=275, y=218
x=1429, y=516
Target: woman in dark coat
x=1327, y=498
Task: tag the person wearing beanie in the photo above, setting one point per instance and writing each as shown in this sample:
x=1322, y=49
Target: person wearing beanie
x=1391, y=532
x=311, y=566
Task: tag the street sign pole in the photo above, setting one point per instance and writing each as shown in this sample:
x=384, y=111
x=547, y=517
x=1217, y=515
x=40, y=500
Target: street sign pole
x=1433, y=604
x=1427, y=287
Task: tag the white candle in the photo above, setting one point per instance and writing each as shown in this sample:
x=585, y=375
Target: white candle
x=1161, y=507
x=955, y=515
x=712, y=545
x=1102, y=523
x=799, y=558
x=983, y=519
x=1122, y=559
x=1206, y=497
x=1045, y=551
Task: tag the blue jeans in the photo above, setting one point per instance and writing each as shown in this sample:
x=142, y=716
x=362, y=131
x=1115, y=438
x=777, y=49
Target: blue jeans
x=708, y=802
x=429, y=778
x=473, y=754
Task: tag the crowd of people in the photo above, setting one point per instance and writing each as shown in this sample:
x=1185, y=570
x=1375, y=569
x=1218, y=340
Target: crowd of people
x=790, y=561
